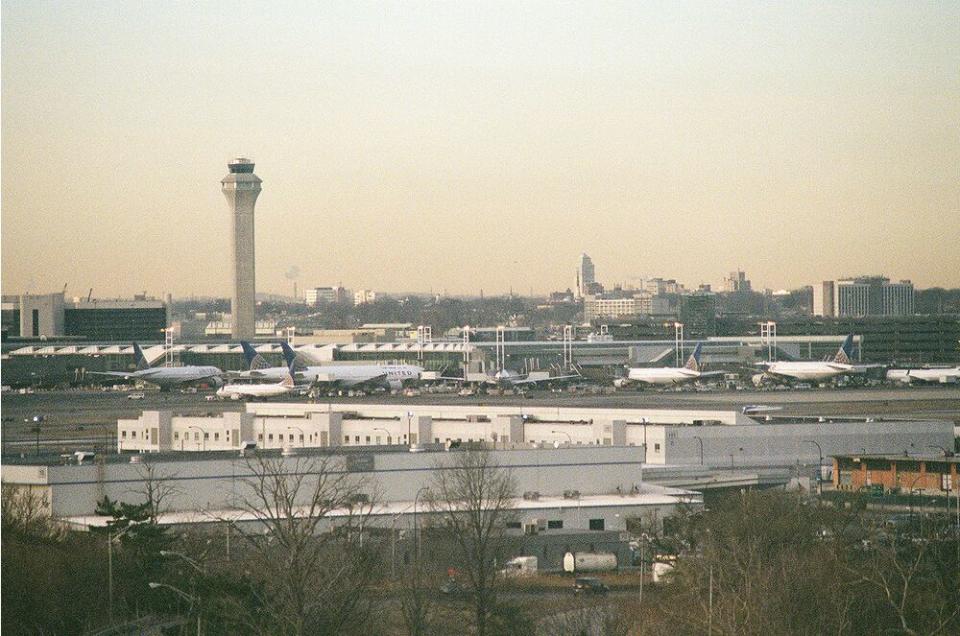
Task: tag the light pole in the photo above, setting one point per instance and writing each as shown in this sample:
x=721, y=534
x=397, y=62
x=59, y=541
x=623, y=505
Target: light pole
x=569, y=437
x=111, y=537
x=389, y=437
x=203, y=432
x=302, y=434
x=190, y=599
x=819, y=466
x=409, y=440
x=700, y=440
x=416, y=525
x=202, y=569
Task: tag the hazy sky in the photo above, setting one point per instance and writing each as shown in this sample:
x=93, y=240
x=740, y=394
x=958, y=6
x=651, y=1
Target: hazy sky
x=459, y=146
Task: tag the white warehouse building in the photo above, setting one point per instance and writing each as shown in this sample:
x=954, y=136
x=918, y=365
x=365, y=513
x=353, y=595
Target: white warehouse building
x=718, y=439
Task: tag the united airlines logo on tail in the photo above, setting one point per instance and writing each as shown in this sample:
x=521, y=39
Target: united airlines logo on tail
x=693, y=362
x=846, y=351
x=291, y=358
x=254, y=360
x=141, y=359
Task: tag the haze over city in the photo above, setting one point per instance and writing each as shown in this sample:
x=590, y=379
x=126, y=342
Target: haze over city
x=458, y=147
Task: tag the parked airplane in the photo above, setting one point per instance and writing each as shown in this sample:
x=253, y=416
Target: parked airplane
x=391, y=376
x=508, y=378
x=166, y=377
x=941, y=375
x=669, y=375
x=810, y=371
x=239, y=391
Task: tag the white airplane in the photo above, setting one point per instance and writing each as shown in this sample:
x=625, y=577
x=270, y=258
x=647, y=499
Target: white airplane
x=507, y=378
x=941, y=375
x=811, y=371
x=166, y=377
x=391, y=376
x=668, y=375
x=240, y=391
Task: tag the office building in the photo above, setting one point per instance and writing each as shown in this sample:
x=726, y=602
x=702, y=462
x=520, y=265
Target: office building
x=586, y=277
x=873, y=296
x=318, y=295
x=736, y=282
x=241, y=188
x=823, y=299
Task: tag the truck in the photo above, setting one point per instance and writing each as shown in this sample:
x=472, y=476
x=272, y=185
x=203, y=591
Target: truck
x=520, y=566
x=576, y=562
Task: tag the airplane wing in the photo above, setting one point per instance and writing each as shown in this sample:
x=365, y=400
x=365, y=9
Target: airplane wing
x=324, y=378
x=711, y=374
x=115, y=374
x=551, y=378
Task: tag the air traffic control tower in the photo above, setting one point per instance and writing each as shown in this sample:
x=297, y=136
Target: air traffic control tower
x=242, y=187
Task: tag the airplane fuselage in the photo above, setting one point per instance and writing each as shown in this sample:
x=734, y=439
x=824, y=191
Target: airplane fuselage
x=344, y=374
x=946, y=375
x=168, y=377
x=239, y=391
x=662, y=375
x=809, y=371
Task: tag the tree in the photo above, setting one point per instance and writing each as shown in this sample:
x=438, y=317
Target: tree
x=471, y=499
x=304, y=535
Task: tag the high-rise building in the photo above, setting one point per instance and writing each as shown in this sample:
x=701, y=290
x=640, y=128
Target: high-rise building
x=241, y=188
x=736, y=282
x=896, y=299
x=872, y=296
x=586, y=276
x=823, y=299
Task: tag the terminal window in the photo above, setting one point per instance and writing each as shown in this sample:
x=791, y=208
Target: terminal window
x=555, y=524
x=596, y=524
x=123, y=434
x=216, y=437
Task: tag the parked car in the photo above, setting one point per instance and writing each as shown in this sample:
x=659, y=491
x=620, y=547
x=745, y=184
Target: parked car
x=136, y=396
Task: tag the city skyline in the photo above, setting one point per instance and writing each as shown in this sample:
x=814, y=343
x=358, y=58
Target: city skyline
x=457, y=147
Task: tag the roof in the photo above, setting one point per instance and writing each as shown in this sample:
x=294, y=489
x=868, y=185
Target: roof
x=656, y=496
x=938, y=458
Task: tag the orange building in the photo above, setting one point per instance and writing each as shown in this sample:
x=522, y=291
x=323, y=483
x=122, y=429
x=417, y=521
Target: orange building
x=897, y=473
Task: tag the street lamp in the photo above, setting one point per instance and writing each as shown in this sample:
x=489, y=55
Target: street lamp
x=111, y=537
x=196, y=566
x=819, y=466
x=389, y=437
x=700, y=439
x=569, y=437
x=302, y=434
x=409, y=441
x=204, y=435
x=190, y=599
x=416, y=526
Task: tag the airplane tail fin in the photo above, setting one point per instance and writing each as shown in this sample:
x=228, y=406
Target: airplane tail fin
x=693, y=362
x=845, y=353
x=254, y=359
x=291, y=358
x=287, y=381
x=141, y=359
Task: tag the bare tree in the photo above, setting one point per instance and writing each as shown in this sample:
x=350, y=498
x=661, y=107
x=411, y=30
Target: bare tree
x=157, y=488
x=304, y=532
x=471, y=500
x=26, y=510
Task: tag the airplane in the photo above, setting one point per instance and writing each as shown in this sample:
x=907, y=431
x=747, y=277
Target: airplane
x=165, y=377
x=668, y=375
x=239, y=391
x=258, y=367
x=508, y=378
x=391, y=376
x=941, y=375
x=810, y=371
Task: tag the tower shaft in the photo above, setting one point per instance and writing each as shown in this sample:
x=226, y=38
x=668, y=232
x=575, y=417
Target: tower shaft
x=241, y=188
